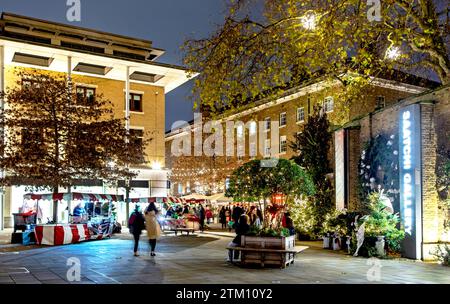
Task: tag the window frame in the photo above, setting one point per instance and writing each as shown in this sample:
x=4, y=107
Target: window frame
x=297, y=116
x=285, y=144
x=131, y=104
x=329, y=100
x=284, y=114
x=86, y=100
x=267, y=126
x=267, y=152
x=377, y=100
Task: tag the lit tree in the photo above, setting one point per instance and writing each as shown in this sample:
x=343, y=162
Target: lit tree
x=54, y=137
x=253, y=182
x=256, y=55
x=313, y=145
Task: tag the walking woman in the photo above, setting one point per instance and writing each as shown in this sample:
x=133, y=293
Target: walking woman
x=153, y=227
x=136, y=224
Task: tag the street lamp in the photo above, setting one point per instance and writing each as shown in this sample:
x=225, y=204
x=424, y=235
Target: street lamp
x=309, y=21
x=393, y=53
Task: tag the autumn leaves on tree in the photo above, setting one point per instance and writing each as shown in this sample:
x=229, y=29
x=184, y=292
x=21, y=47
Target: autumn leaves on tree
x=54, y=137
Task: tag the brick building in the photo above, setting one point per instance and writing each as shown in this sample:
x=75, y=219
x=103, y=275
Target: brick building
x=291, y=111
x=428, y=133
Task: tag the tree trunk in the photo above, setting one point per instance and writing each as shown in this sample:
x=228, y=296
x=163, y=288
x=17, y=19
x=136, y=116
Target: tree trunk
x=55, y=206
x=127, y=204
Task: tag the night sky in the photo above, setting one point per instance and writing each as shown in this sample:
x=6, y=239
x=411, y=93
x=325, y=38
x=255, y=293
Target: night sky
x=167, y=23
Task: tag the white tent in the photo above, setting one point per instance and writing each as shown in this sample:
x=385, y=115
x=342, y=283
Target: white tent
x=220, y=198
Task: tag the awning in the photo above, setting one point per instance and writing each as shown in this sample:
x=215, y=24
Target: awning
x=74, y=196
x=169, y=199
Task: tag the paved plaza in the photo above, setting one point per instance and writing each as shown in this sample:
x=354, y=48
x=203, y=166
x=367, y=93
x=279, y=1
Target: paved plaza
x=197, y=259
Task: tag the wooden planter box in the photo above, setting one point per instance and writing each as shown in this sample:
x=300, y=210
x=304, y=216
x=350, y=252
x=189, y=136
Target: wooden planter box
x=280, y=259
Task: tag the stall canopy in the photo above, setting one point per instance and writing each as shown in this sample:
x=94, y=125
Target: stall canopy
x=75, y=196
x=169, y=199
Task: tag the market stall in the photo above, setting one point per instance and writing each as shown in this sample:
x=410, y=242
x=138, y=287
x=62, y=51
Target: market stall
x=92, y=218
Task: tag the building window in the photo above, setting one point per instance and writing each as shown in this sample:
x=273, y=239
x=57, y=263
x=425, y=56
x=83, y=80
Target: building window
x=240, y=131
x=252, y=128
x=329, y=104
x=300, y=114
x=253, y=151
x=267, y=148
x=283, y=144
x=135, y=102
x=267, y=124
x=381, y=102
x=85, y=96
x=180, y=188
x=282, y=119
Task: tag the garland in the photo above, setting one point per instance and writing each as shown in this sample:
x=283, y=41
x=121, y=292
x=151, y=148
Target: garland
x=378, y=168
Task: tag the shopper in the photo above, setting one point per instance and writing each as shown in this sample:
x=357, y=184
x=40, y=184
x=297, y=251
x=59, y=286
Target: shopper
x=153, y=227
x=136, y=224
x=201, y=217
x=223, y=217
x=289, y=223
x=236, y=215
x=242, y=228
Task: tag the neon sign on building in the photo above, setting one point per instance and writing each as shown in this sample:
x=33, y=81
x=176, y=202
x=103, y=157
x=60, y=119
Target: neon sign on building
x=410, y=180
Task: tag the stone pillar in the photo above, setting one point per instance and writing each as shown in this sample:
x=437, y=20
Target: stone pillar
x=2, y=88
x=430, y=204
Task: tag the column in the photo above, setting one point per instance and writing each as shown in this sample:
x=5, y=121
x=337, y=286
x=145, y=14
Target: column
x=127, y=126
x=2, y=88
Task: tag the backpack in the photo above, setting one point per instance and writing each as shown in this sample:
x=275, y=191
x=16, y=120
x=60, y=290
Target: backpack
x=131, y=220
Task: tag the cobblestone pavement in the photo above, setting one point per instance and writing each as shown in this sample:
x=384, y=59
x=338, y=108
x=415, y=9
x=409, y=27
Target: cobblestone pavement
x=197, y=259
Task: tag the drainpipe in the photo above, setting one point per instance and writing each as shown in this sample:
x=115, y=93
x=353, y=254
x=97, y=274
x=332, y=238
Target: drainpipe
x=70, y=88
x=127, y=127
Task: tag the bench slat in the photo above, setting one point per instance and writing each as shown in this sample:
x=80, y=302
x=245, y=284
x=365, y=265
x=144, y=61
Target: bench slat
x=296, y=249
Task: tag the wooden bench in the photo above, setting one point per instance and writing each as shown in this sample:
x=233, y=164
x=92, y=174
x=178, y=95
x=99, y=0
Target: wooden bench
x=181, y=230
x=264, y=256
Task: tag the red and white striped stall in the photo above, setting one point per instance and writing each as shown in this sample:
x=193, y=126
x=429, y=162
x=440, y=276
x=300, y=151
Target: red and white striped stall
x=61, y=234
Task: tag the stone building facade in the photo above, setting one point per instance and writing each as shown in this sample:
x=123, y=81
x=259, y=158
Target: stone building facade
x=98, y=63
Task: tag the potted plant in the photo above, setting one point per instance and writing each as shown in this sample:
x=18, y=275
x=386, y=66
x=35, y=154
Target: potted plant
x=381, y=224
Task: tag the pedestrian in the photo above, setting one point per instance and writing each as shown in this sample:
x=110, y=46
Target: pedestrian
x=222, y=217
x=242, y=228
x=186, y=209
x=209, y=215
x=201, y=216
x=237, y=212
x=289, y=223
x=136, y=224
x=228, y=217
x=153, y=227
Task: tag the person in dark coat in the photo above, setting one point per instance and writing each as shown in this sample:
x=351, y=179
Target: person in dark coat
x=136, y=224
x=289, y=223
x=223, y=217
x=242, y=228
x=202, y=216
x=237, y=212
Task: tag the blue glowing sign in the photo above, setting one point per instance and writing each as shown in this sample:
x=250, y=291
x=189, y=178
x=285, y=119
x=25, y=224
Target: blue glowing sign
x=410, y=180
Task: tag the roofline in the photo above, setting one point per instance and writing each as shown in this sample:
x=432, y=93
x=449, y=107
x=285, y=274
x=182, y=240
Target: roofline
x=356, y=120
x=80, y=28
x=160, y=64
